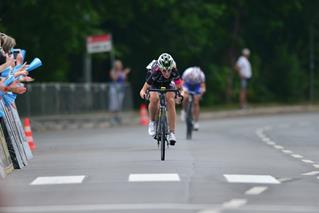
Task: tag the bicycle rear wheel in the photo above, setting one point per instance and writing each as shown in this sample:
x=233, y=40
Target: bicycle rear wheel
x=189, y=121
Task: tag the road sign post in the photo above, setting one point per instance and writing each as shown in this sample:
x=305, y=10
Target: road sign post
x=96, y=44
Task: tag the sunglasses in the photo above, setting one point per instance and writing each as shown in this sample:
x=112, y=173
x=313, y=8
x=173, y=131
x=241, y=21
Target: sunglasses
x=166, y=71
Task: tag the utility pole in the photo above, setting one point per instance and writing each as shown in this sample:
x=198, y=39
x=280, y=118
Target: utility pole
x=311, y=63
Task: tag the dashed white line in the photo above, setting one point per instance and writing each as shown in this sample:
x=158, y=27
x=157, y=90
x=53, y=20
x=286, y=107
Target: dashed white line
x=266, y=140
x=307, y=161
x=153, y=177
x=311, y=173
x=278, y=147
x=234, y=203
x=271, y=143
x=256, y=190
x=286, y=151
x=296, y=156
x=316, y=166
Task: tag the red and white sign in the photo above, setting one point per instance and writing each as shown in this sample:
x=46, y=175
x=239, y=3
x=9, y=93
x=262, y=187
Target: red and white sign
x=99, y=43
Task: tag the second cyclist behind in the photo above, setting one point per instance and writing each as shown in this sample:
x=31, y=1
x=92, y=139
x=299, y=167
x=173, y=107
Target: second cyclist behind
x=162, y=73
x=193, y=81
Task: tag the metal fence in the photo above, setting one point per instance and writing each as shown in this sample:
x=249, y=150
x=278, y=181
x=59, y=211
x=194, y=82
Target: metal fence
x=44, y=99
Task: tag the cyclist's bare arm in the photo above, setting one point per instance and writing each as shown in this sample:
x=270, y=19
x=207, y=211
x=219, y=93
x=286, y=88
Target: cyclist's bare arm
x=203, y=88
x=144, y=89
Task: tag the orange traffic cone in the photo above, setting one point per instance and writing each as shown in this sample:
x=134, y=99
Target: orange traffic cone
x=28, y=134
x=143, y=115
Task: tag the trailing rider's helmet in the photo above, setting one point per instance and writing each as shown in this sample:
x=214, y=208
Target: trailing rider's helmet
x=166, y=62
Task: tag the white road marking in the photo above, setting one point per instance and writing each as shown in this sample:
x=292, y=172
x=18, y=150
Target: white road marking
x=105, y=207
x=307, y=161
x=157, y=206
x=265, y=179
x=58, y=180
x=316, y=166
x=278, y=147
x=286, y=151
x=284, y=179
x=153, y=177
x=271, y=143
x=256, y=190
x=234, y=203
x=266, y=140
x=296, y=156
x=311, y=173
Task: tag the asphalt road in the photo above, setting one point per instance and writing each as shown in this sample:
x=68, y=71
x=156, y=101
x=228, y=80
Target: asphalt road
x=251, y=164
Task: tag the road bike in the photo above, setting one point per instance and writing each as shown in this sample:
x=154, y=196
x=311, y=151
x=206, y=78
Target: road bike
x=189, y=115
x=161, y=121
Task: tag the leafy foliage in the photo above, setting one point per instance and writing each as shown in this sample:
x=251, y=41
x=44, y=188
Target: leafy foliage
x=207, y=33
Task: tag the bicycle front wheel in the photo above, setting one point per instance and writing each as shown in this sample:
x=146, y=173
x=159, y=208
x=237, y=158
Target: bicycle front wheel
x=163, y=137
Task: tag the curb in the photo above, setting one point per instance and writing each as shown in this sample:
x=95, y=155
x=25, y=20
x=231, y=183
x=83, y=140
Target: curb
x=260, y=111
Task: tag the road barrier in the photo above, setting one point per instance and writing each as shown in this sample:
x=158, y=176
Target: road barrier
x=46, y=99
x=6, y=165
x=16, y=145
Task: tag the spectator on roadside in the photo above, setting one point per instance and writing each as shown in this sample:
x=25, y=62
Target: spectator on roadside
x=118, y=77
x=7, y=43
x=243, y=68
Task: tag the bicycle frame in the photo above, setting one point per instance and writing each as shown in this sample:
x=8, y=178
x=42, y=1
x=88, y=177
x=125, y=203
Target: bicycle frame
x=162, y=124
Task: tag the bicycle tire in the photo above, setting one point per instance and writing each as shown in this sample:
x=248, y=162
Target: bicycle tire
x=189, y=121
x=163, y=136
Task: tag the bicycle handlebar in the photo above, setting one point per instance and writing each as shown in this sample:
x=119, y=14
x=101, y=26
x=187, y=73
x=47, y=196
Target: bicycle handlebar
x=163, y=91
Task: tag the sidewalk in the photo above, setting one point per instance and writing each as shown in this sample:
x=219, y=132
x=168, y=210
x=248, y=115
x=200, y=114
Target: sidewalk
x=103, y=120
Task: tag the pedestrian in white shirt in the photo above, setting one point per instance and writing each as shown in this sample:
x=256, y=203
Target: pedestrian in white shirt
x=244, y=70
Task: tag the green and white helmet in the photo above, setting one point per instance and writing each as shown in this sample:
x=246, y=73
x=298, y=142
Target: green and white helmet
x=166, y=62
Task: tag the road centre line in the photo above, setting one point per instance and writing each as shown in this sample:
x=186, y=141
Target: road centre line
x=256, y=190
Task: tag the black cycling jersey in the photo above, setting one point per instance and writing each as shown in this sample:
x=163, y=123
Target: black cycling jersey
x=155, y=78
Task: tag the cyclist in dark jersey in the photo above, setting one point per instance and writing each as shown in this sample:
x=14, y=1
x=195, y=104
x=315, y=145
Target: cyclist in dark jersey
x=162, y=73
